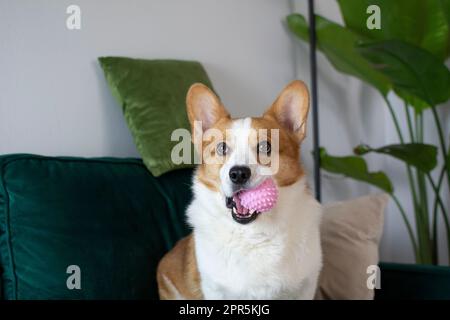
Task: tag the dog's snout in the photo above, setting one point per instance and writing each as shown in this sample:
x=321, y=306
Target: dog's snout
x=240, y=174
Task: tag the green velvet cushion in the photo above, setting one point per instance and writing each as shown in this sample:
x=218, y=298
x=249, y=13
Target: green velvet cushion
x=152, y=94
x=110, y=217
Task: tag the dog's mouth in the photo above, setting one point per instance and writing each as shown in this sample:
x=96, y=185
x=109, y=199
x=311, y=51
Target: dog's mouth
x=247, y=204
x=239, y=213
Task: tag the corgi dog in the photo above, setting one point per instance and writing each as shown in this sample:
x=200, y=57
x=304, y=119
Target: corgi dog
x=239, y=252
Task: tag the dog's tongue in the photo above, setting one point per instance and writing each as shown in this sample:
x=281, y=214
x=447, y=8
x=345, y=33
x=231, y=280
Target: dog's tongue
x=239, y=207
x=260, y=199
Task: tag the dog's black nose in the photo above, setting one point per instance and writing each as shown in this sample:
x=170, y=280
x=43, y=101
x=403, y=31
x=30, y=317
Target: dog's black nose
x=240, y=174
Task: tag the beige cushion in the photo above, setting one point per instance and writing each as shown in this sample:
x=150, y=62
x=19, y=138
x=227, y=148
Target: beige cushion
x=350, y=234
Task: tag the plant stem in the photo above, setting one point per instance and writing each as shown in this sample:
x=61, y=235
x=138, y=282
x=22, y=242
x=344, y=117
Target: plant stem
x=441, y=178
x=419, y=126
x=410, y=176
x=410, y=127
x=436, y=200
x=439, y=201
x=445, y=171
x=420, y=212
x=408, y=225
x=444, y=213
x=434, y=233
x=418, y=253
x=426, y=245
x=426, y=241
x=394, y=118
x=442, y=142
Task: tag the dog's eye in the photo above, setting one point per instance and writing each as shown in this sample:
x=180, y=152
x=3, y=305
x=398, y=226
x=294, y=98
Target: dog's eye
x=264, y=147
x=222, y=148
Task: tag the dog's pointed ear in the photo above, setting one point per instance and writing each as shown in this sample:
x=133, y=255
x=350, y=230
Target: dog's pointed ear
x=291, y=108
x=204, y=106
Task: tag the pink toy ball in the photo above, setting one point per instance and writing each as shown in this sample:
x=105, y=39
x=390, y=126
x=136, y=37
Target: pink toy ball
x=262, y=198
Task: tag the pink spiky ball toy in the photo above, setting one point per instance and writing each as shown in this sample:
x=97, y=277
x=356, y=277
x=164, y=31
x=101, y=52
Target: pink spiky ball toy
x=259, y=199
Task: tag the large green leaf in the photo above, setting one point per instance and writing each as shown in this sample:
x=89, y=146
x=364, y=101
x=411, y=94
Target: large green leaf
x=356, y=168
x=446, y=5
x=339, y=46
x=413, y=72
x=419, y=155
x=420, y=22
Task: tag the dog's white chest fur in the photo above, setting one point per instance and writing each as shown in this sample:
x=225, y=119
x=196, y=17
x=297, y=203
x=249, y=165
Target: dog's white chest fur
x=277, y=256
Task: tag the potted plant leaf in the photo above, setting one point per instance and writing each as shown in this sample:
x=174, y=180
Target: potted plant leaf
x=407, y=56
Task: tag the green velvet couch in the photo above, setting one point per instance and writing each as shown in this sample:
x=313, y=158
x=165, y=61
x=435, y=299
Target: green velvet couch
x=111, y=219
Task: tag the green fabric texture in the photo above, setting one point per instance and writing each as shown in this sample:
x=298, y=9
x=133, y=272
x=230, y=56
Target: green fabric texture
x=110, y=217
x=152, y=94
x=412, y=281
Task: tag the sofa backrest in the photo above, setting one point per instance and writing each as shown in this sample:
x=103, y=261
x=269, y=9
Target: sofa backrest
x=99, y=223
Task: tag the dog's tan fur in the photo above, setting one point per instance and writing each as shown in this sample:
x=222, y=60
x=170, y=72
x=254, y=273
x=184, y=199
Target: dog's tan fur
x=177, y=274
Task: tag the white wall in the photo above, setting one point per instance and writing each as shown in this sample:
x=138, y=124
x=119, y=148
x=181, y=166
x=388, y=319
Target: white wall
x=54, y=99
